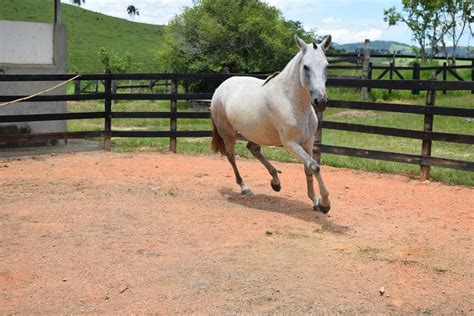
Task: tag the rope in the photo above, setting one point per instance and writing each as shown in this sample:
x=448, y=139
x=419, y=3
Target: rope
x=39, y=93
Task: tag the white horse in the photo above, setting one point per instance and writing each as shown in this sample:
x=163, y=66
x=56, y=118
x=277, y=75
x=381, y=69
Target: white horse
x=277, y=111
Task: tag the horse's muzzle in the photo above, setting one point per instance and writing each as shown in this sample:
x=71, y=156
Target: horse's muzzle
x=320, y=105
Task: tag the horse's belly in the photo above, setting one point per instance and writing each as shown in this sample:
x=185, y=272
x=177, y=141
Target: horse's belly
x=259, y=131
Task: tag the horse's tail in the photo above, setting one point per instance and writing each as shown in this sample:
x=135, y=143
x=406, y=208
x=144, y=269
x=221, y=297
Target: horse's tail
x=217, y=141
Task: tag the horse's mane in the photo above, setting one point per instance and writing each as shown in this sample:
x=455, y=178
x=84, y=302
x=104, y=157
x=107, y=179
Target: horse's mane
x=273, y=75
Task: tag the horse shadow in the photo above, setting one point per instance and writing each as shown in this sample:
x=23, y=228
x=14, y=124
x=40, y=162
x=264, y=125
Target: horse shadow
x=282, y=205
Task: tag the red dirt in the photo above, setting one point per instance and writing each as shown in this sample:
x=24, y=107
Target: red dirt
x=167, y=233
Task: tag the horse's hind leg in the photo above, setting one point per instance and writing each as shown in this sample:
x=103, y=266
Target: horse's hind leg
x=256, y=151
x=231, y=157
x=229, y=137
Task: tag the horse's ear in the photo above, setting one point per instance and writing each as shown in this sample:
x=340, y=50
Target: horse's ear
x=301, y=44
x=326, y=42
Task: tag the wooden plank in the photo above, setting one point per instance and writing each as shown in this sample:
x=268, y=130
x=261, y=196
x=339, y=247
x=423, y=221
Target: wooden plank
x=16, y=138
x=397, y=132
x=448, y=163
x=383, y=73
x=401, y=84
x=398, y=73
x=455, y=74
x=344, y=60
x=413, y=56
x=53, y=98
x=183, y=76
x=167, y=115
x=401, y=108
x=371, y=154
x=165, y=134
x=50, y=77
x=50, y=117
x=161, y=96
x=354, y=83
x=331, y=67
x=396, y=157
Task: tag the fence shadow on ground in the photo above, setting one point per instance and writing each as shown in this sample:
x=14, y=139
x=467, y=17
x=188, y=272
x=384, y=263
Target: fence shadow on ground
x=287, y=206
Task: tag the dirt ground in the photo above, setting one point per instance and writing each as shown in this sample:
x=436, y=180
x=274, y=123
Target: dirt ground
x=167, y=233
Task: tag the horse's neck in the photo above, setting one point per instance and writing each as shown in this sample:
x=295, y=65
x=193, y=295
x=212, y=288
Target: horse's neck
x=290, y=82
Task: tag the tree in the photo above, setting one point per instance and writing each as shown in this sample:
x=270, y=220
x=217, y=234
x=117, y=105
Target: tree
x=115, y=62
x=132, y=11
x=456, y=15
x=240, y=35
x=78, y=2
x=423, y=18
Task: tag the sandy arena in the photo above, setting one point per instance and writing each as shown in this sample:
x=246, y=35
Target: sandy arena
x=169, y=233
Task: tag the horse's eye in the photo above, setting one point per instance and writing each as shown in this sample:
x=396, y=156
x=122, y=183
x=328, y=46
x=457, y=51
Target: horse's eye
x=305, y=67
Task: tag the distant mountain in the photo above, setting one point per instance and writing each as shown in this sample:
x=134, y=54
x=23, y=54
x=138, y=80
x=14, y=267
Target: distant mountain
x=390, y=47
x=377, y=47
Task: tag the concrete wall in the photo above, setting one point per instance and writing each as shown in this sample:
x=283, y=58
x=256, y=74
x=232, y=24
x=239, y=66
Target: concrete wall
x=36, y=48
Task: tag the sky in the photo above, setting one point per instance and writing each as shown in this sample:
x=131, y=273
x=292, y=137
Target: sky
x=348, y=21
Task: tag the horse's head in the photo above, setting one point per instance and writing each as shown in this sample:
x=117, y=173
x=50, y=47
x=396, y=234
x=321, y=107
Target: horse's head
x=313, y=70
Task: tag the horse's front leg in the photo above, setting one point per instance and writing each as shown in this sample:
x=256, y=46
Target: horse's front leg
x=311, y=168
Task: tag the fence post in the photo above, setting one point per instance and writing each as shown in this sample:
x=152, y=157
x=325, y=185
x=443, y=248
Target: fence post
x=445, y=75
x=365, y=70
x=390, y=74
x=173, y=110
x=370, y=75
x=416, y=76
x=77, y=86
x=318, y=137
x=472, y=73
x=427, y=127
x=108, y=110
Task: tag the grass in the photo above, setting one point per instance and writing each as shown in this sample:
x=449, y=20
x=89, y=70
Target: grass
x=88, y=31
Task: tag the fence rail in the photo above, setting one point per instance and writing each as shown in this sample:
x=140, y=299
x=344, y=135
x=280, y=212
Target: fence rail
x=427, y=135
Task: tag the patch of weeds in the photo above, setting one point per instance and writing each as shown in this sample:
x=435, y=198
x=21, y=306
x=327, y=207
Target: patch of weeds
x=408, y=262
x=319, y=230
x=440, y=270
x=171, y=193
x=367, y=250
x=200, y=175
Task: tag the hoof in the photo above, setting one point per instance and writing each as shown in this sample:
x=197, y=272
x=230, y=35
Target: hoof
x=321, y=208
x=276, y=187
x=247, y=192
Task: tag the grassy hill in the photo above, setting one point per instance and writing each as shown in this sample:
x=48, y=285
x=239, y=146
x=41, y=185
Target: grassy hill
x=88, y=31
x=388, y=47
x=381, y=46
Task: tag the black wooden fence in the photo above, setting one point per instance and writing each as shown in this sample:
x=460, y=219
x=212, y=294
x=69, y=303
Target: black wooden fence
x=427, y=135
x=393, y=71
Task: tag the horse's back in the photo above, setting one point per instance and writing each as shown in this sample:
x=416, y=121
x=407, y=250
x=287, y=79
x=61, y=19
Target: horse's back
x=234, y=88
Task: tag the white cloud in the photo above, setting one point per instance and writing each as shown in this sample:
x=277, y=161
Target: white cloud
x=344, y=35
x=331, y=20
